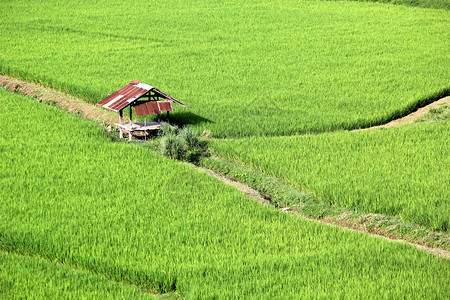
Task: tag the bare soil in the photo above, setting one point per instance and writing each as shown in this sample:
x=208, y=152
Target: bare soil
x=414, y=116
x=97, y=113
x=64, y=101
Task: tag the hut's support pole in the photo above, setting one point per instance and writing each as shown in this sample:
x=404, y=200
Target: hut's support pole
x=131, y=116
x=121, y=123
x=131, y=123
x=168, y=119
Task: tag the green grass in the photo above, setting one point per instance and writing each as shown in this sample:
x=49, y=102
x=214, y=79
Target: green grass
x=246, y=68
x=399, y=171
x=71, y=196
x=24, y=277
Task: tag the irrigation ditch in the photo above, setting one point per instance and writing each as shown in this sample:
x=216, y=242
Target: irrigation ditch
x=266, y=189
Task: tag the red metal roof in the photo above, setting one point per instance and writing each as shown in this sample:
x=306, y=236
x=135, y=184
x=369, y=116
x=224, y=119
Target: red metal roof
x=153, y=107
x=130, y=93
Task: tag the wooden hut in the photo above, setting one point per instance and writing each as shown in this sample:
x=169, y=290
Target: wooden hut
x=145, y=99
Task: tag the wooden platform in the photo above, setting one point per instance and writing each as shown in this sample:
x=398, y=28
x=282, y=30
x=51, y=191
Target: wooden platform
x=140, y=129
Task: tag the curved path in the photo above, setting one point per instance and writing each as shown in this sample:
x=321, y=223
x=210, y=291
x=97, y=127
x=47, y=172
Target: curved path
x=412, y=116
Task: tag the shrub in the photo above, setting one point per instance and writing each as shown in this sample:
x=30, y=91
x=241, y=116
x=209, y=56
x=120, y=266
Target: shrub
x=173, y=146
x=193, y=156
x=182, y=143
x=190, y=136
x=167, y=129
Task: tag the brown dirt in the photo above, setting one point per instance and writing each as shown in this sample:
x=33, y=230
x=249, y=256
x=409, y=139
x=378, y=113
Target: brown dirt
x=96, y=113
x=64, y=101
x=412, y=117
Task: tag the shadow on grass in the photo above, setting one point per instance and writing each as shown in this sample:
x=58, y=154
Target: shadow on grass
x=187, y=118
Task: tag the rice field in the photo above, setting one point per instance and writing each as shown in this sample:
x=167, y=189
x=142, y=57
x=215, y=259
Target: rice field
x=399, y=171
x=278, y=81
x=74, y=198
x=264, y=68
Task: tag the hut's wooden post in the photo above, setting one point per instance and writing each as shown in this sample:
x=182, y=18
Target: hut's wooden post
x=168, y=119
x=131, y=117
x=131, y=122
x=121, y=123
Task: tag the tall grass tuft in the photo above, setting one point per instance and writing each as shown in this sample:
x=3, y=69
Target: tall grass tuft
x=167, y=129
x=173, y=146
x=190, y=137
x=182, y=144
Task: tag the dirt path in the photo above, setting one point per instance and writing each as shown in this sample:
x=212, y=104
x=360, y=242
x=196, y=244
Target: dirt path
x=347, y=223
x=94, y=112
x=64, y=101
x=240, y=186
x=412, y=117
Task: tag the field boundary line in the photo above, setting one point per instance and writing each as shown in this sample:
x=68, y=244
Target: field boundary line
x=412, y=117
x=345, y=224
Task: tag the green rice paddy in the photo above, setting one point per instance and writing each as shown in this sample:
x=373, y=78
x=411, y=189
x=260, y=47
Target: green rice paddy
x=85, y=217
x=246, y=68
x=399, y=171
x=70, y=195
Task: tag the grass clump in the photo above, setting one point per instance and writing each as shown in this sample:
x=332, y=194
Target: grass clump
x=440, y=113
x=182, y=144
x=167, y=129
x=190, y=137
x=173, y=146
